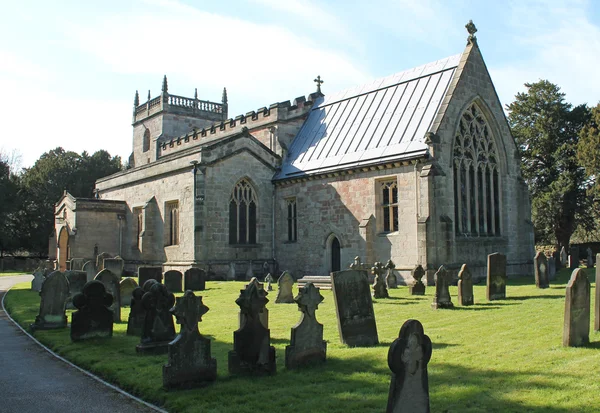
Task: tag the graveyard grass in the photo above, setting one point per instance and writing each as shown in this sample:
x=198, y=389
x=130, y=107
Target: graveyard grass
x=499, y=356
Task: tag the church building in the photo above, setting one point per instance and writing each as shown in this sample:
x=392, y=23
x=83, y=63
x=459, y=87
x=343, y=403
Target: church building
x=419, y=167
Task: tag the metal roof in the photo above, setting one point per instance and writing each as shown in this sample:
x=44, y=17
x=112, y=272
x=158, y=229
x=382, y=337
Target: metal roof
x=386, y=119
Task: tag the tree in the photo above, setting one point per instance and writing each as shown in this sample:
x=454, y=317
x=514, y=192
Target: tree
x=9, y=185
x=588, y=154
x=546, y=129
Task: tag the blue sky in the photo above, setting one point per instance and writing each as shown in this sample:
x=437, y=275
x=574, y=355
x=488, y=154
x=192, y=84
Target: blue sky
x=69, y=69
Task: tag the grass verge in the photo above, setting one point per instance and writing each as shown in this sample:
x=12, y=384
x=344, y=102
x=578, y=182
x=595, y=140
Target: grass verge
x=500, y=356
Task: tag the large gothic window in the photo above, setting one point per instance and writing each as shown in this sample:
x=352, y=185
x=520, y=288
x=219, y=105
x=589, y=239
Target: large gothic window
x=476, y=177
x=242, y=214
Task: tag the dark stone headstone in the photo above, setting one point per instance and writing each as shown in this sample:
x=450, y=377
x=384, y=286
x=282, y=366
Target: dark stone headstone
x=390, y=279
x=113, y=287
x=407, y=358
x=77, y=280
x=418, y=288
x=90, y=270
x=93, y=318
x=77, y=264
x=556, y=256
x=263, y=314
x=442, y=298
x=306, y=343
x=496, y=277
x=252, y=352
x=39, y=276
x=589, y=262
x=551, y=269
x=137, y=314
x=597, y=302
x=573, y=258
x=540, y=262
x=149, y=273
x=114, y=265
x=55, y=291
x=126, y=287
x=284, y=289
x=576, y=329
x=174, y=281
x=195, y=279
x=190, y=363
x=354, y=308
x=158, y=329
x=100, y=260
x=269, y=281
x=465, y=286
x=379, y=287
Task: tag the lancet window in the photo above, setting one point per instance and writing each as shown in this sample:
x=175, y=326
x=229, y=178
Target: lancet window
x=242, y=214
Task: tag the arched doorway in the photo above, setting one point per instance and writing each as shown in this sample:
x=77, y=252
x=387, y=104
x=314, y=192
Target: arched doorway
x=336, y=256
x=63, y=249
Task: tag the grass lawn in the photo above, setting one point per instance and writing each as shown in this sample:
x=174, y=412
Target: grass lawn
x=500, y=356
x=13, y=273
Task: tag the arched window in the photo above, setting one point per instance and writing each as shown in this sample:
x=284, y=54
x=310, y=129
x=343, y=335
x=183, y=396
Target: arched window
x=146, y=143
x=476, y=177
x=242, y=214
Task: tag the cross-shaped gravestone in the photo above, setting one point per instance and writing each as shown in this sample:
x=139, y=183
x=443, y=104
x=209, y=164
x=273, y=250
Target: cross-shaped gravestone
x=190, y=363
x=418, y=288
x=465, y=286
x=93, y=318
x=306, y=343
x=407, y=358
x=264, y=313
x=319, y=82
x=158, y=329
x=390, y=278
x=356, y=265
x=379, y=288
x=269, y=281
x=252, y=352
x=442, y=298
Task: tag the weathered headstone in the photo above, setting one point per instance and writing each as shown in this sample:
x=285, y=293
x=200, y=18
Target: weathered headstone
x=55, y=291
x=90, y=270
x=379, y=287
x=39, y=276
x=265, y=268
x=77, y=280
x=597, y=301
x=137, y=314
x=77, y=264
x=174, y=281
x=540, y=263
x=148, y=273
x=407, y=358
x=590, y=258
x=284, y=289
x=249, y=271
x=100, y=260
x=357, y=264
x=93, y=318
x=158, y=329
x=557, y=263
x=496, y=277
x=190, y=363
x=390, y=279
x=263, y=314
x=418, y=287
x=269, y=281
x=576, y=329
x=252, y=352
x=231, y=272
x=112, y=284
x=465, y=286
x=551, y=268
x=563, y=257
x=126, y=287
x=442, y=298
x=306, y=343
x=195, y=279
x=573, y=257
x=114, y=265
x=354, y=308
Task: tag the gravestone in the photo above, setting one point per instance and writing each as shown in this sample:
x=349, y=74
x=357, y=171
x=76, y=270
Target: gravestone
x=55, y=291
x=90, y=270
x=263, y=314
x=357, y=264
x=390, y=279
x=284, y=289
x=137, y=314
x=249, y=272
x=407, y=358
x=126, y=287
x=266, y=268
x=77, y=264
x=556, y=256
x=551, y=269
x=93, y=318
x=417, y=288
x=39, y=276
x=354, y=308
x=542, y=278
x=576, y=329
x=573, y=257
x=590, y=258
x=112, y=284
x=114, y=265
x=252, y=352
x=195, y=279
x=306, y=343
x=563, y=257
x=190, y=363
x=269, y=281
x=496, y=277
x=597, y=302
x=442, y=298
x=149, y=273
x=77, y=280
x=173, y=281
x=231, y=272
x=465, y=286
x=158, y=329
x=100, y=260
x=379, y=288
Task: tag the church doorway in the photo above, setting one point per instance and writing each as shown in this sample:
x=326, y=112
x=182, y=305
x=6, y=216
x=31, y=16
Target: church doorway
x=63, y=249
x=336, y=261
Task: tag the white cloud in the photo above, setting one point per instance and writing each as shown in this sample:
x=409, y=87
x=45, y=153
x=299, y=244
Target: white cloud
x=18, y=66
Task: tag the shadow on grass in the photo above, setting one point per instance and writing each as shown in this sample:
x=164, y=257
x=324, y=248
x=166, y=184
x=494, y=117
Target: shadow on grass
x=534, y=297
x=495, y=303
x=476, y=307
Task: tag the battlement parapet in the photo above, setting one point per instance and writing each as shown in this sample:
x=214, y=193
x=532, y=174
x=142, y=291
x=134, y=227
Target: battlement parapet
x=180, y=105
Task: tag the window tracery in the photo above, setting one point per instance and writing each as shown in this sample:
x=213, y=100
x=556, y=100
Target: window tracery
x=242, y=214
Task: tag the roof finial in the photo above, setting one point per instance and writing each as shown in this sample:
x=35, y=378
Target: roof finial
x=136, y=99
x=149, y=95
x=472, y=30
x=224, y=98
x=319, y=82
x=165, y=86
x=196, y=93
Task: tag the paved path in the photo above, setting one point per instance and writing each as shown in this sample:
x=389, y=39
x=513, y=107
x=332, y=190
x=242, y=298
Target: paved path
x=32, y=380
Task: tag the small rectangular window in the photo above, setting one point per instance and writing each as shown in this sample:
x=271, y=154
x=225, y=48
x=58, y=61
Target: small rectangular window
x=292, y=220
x=389, y=205
x=172, y=222
x=138, y=223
